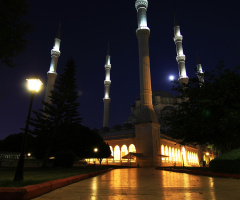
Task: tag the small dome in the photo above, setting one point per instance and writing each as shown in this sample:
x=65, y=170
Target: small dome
x=163, y=94
x=168, y=108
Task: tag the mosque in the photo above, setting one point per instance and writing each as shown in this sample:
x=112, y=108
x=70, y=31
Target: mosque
x=141, y=140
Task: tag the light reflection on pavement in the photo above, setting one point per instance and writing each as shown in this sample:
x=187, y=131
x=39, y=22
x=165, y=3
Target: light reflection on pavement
x=148, y=183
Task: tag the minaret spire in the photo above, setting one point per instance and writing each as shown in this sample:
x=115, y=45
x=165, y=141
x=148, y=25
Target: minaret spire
x=183, y=78
x=52, y=73
x=175, y=19
x=107, y=83
x=108, y=50
x=59, y=31
x=147, y=113
x=200, y=71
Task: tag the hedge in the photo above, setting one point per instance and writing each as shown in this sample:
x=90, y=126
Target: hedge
x=228, y=162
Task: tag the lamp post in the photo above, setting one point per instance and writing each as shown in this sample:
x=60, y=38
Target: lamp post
x=95, y=150
x=34, y=85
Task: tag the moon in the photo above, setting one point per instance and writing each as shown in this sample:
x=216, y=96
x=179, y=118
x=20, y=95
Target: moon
x=171, y=77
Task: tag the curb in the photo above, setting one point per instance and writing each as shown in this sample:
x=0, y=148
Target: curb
x=32, y=191
x=204, y=173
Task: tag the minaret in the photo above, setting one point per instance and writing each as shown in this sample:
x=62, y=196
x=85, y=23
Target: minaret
x=183, y=78
x=199, y=71
x=52, y=73
x=107, y=83
x=147, y=128
x=147, y=113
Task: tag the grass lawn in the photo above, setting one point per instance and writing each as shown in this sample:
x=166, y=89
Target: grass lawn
x=38, y=175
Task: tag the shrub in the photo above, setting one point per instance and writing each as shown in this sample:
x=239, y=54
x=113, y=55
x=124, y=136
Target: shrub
x=64, y=159
x=229, y=162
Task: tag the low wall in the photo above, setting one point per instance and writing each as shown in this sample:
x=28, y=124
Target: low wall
x=27, y=163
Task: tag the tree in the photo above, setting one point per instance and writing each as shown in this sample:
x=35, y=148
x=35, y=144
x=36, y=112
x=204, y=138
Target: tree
x=103, y=151
x=13, y=29
x=97, y=142
x=58, y=126
x=13, y=143
x=211, y=111
x=84, y=141
x=55, y=123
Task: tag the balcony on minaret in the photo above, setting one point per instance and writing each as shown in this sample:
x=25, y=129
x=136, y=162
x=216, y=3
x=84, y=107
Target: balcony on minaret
x=178, y=38
x=106, y=99
x=180, y=58
x=141, y=3
x=107, y=82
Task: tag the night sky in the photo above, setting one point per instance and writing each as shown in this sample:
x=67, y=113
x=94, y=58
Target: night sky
x=210, y=28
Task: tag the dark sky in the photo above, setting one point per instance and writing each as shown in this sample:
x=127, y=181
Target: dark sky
x=208, y=27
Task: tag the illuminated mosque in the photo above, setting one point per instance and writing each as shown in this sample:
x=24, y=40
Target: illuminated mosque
x=140, y=142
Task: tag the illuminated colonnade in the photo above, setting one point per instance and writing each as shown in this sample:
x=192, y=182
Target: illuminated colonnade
x=117, y=152
x=178, y=155
x=172, y=155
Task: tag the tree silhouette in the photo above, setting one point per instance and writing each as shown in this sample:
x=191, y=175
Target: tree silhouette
x=13, y=29
x=211, y=111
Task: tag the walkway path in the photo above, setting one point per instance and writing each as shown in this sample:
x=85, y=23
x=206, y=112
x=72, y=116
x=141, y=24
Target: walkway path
x=148, y=183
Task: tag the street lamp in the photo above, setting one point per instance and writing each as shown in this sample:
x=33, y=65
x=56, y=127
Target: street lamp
x=95, y=150
x=34, y=84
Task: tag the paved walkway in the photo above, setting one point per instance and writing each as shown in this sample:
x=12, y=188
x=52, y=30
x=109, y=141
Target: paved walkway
x=148, y=183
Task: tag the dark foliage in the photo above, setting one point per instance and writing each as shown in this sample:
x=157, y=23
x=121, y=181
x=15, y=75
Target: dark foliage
x=209, y=114
x=228, y=162
x=225, y=166
x=13, y=29
x=56, y=121
x=58, y=126
x=13, y=143
x=64, y=159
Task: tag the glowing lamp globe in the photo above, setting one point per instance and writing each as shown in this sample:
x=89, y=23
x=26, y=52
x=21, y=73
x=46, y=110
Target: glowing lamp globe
x=34, y=84
x=95, y=149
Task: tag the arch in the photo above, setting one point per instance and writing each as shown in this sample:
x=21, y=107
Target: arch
x=166, y=150
x=166, y=153
x=132, y=148
x=162, y=150
x=124, y=151
x=196, y=158
x=117, y=153
x=111, y=149
x=176, y=155
x=179, y=155
x=184, y=155
x=170, y=153
x=173, y=155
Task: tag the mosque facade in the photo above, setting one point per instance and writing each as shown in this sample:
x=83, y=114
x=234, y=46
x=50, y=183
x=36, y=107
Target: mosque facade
x=141, y=141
